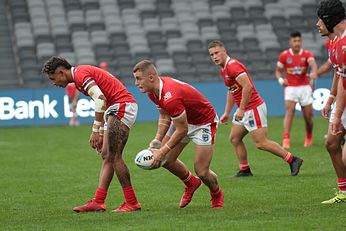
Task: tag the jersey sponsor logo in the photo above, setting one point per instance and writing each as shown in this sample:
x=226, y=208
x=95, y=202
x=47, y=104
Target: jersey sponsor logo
x=167, y=96
x=296, y=70
x=234, y=88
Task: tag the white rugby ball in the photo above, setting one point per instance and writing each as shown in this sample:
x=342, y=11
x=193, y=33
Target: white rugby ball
x=145, y=158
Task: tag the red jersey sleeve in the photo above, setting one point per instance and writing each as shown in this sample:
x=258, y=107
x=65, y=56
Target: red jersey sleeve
x=309, y=55
x=174, y=107
x=282, y=58
x=234, y=69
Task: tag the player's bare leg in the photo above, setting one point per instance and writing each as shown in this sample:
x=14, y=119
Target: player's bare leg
x=308, y=114
x=178, y=168
x=288, y=120
x=203, y=157
x=337, y=156
x=259, y=136
x=118, y=134
x=236, y=138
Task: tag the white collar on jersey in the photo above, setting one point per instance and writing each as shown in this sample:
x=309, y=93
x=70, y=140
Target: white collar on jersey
x=160, y=89
x=72, y=71
x=291, y=51
x=228, y=58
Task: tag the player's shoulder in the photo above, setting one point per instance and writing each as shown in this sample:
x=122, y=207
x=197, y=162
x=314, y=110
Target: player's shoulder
x=285, y=52
x=307, y=52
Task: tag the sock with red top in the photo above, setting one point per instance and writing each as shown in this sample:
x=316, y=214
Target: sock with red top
x=286, y=135
x=189, y=179
x=342, y=185
x=243, y=165
x=100, y=195
x=288, y=157
x=308, y=135
x=130, y=195
x=215, y=192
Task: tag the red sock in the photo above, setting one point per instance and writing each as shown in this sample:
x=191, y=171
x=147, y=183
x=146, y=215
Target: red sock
x=188, y=179
x=342, y=184
x=288, y=157
x=308, y=135
x=243, y=165
x=100, y=195
x=216, y=191
x=130, y=195
x=286, y=135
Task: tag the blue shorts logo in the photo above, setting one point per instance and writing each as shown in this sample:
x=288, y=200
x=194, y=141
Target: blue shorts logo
x=205, y=137
x=252, y=123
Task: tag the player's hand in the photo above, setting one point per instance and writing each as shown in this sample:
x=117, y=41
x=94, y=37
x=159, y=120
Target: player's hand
x=239, y=114
x=158, y=157
x=99, y=144
x=155, y=143
x=93, y=140
x=313, y=76
x=336, y=126
x=326, y=111
x=224, y=118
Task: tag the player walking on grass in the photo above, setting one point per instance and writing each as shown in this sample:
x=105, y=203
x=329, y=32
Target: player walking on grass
x=295, y=62
x=251, y=115
x=115, y=113
x=331, y=14
x=185, y=114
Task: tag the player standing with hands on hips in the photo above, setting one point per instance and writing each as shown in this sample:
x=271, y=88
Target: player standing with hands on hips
x=185, y=114
x=115, y=113
x=251, y=115
x=295, y=62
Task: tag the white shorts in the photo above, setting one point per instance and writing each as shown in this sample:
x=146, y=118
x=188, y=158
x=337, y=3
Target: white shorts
x=253, y=119
x=199, y=134
x=299, y=94
x=343, y=117
x=125, y=112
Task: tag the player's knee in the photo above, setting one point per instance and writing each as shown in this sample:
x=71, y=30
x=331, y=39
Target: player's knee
x=332, y=146
x=234, y=140
x=260, y=145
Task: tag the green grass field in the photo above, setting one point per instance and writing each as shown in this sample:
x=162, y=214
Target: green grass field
x=45, y=171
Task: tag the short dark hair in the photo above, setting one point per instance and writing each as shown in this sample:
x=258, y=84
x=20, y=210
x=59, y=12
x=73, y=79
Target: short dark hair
x=215, y=43
x=295, y=34
x=53, y=63
x=143, y=66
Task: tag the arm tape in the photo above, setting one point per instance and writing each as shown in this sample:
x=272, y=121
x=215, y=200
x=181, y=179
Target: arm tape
x=95, y=93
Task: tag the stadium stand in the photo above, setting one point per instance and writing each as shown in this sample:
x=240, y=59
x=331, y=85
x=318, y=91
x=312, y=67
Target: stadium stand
x=173, y=33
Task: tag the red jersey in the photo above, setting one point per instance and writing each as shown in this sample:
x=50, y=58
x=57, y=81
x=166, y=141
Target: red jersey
x=340, y=57
x=71, y=89
x=330, y=46
x=233, y=68
x=111, y=87
x=296, y=66
x=175, y=97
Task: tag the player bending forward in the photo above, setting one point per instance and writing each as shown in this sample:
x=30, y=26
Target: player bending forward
x=185, y=114
x=115, y=113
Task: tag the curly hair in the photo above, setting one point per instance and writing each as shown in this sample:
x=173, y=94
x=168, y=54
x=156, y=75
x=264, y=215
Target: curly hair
x=53, y=63
x=331, y=12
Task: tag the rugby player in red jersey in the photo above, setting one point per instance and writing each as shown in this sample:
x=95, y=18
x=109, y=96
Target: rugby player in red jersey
x=115, y=113
x=185, y=114
x=331, y=14
x=295, y=63
x=251, y=115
